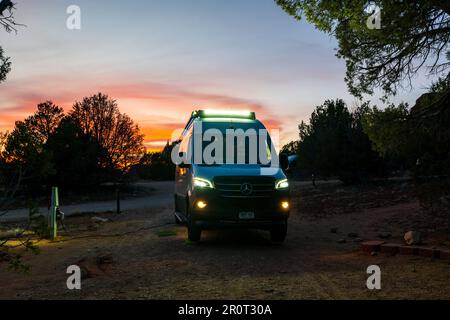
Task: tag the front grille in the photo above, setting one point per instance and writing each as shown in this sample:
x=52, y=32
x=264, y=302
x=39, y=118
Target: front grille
x=232, y=187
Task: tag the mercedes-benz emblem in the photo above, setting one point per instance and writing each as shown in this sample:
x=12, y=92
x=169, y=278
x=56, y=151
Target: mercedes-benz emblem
x=246, y=189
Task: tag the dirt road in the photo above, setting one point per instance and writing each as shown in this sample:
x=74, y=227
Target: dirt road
x=142, y=255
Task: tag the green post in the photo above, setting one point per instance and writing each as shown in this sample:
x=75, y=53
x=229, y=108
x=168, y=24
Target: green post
x=53, y=209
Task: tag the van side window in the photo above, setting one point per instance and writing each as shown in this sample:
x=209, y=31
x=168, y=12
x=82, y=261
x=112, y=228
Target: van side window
x=185, y=143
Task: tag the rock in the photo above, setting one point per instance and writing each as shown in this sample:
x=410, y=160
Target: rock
x=374, y=253
x=445, y=254
x=98, y=219
x=334, y=230
x=341, y=241
x=429, y=252
x=409, y=250
x=353, y=235
x=92, y=267
x=371, y=246
x=92, y=227
x=390, y=248
x=413, y=237
x=384, y=235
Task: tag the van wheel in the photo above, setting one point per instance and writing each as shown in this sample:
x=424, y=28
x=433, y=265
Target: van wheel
x=194, y=232
x=278, y=233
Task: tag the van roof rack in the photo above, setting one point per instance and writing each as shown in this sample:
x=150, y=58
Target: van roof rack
x=235, y=114
x=221, y=114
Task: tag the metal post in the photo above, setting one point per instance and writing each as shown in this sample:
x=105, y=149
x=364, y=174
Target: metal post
x=118, y=200
x=53, y=210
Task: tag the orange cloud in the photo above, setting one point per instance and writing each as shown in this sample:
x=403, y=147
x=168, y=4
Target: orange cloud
x=158, y=108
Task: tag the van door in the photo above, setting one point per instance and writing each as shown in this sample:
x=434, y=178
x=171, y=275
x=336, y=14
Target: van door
x=183, y=176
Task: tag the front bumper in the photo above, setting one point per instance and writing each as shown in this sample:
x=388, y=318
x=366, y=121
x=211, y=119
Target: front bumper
x=224, y=212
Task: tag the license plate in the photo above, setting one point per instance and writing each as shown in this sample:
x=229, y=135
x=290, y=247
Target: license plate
x=246, y=215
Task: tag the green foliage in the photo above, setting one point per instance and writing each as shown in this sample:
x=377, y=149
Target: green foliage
x=37, y=222
x=420, y=137
x=429, y=134
x=334, y=144
x=442, y=85
x=166, y=233
x=17, y=264
x=388, y=129
x=412, y=34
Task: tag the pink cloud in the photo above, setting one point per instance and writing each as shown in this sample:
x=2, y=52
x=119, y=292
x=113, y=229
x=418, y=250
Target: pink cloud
x=158, y=108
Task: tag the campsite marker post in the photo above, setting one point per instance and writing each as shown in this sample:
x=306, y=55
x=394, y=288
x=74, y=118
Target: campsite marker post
x=53, y=210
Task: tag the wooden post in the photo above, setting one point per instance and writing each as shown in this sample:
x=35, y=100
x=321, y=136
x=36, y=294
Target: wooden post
x=118, y=200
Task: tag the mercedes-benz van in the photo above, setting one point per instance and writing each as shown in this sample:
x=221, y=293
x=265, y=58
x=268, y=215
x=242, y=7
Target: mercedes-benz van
x=228, y=175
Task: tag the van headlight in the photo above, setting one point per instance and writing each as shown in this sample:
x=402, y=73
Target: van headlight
x=282, y=184
x=202, y=183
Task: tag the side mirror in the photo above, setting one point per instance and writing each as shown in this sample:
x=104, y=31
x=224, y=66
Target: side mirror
x=284, y=161
x=183, y=165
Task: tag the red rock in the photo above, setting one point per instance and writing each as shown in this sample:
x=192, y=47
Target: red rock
x=390, y=248
x=429, y=252
x=409, y=250
x=371, y=246
x=445, y=255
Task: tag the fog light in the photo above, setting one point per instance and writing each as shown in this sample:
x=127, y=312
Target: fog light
x=201, y=204
x=285, y=205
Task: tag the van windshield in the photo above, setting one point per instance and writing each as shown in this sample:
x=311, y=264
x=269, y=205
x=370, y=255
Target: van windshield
x=217, y=143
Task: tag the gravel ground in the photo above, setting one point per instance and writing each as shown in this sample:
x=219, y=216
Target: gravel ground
x=142, y=255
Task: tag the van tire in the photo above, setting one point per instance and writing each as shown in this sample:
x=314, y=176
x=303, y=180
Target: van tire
x=278, y=233
x=194, y=232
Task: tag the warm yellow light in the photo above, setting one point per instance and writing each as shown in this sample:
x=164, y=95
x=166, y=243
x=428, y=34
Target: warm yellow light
x=201, y=204
x=285, y=205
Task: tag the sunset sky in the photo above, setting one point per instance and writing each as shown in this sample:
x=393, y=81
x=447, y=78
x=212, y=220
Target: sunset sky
x=160, y=59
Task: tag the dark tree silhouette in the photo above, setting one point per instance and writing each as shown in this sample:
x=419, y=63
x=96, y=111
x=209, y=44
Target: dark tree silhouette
x=75, y=157
x=45, y=120
x=7, y=20
x=291, y=148
x=413, y=34
x=25, y=159
x=99, y=116
x=157, y=165
x=334, y=144
x=5, y=66
x=420, y=136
